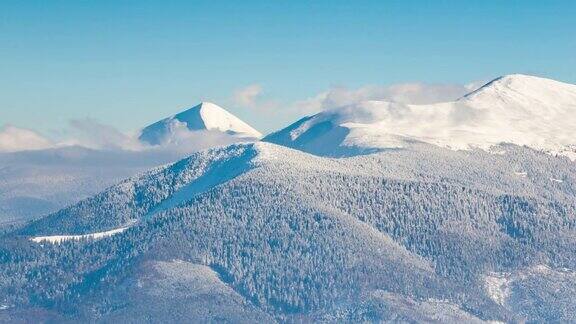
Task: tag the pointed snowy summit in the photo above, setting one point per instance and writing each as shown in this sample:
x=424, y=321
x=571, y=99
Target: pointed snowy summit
x=204, y=117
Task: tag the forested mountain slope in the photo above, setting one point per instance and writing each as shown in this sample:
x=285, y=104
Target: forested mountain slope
x=420, y=234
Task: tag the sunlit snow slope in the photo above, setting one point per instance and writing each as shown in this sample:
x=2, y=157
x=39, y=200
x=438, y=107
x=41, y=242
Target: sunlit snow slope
x=518, y=109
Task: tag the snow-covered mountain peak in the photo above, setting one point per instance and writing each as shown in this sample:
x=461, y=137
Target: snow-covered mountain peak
x=518, y=109
x=203, y=117
x=215, y=117
x=525, y=87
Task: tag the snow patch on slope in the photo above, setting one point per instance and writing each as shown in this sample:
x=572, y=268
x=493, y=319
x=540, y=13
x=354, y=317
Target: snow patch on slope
x=57, y=239
x=498, y=287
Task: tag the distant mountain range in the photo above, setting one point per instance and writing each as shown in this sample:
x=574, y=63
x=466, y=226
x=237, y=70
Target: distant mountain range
x=375, y=212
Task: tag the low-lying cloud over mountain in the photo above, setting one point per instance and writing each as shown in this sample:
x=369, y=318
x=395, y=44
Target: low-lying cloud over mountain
x=407, y=93
x=14, y=139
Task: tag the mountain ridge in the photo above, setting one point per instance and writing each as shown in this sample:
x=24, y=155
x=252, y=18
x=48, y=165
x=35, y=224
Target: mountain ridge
x=518, y=109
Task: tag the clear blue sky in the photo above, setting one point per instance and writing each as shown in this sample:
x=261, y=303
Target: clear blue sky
x=128, y=63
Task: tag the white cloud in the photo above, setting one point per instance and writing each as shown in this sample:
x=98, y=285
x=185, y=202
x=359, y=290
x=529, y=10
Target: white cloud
x=248, y=95
x=93, y=134
x=408, y=93
x=252, y=97
x=19, y=139
x=87, y=133
x=186, y=141
x=179, y=138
